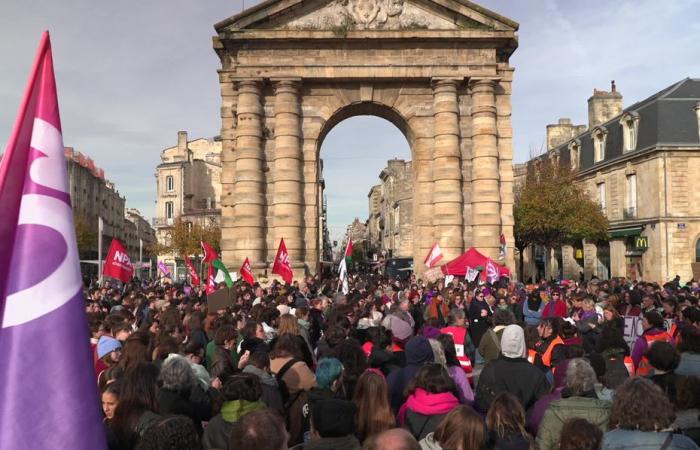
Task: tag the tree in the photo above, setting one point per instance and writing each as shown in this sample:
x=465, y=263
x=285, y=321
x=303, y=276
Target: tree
x=183, y=237
x=552, y=210
x=85, y=235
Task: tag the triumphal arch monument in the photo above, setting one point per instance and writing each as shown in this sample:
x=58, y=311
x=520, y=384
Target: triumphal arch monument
x=437, y=69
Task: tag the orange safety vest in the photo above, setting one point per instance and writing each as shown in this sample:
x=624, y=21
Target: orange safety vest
x=531, y=355
x=644, y=368
x=547, y=356
x=458, y=335
x=629, y=365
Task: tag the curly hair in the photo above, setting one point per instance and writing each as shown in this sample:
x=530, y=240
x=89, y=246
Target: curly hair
x=177, y=374
x=580, y=434
x=639, y=404
x=580, y=376
x=174, y=432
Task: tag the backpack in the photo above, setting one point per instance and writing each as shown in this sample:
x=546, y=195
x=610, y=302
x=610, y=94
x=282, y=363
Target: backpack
x=295, y=406
x=284, y=391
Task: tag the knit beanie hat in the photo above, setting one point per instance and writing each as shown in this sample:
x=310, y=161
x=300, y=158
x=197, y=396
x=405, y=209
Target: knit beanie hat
x=513, y=342
x=106, y=345
x=333, y=417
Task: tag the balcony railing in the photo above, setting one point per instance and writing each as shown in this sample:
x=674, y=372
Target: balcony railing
x=162, y=222
x=629, y=213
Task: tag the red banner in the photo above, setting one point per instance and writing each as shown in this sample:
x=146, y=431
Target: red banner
x=211, y=284
x=247, y=272
x=193, y=273
x=209, y=252
x=282, y=266
x=118, y=264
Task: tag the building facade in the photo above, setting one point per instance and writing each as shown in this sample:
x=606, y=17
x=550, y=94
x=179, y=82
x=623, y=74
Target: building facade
x=188, y=186
x=94, y=197
x=642, y=165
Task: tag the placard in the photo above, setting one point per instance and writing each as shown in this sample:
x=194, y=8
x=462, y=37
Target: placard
x=633, y=328
x=220, y=299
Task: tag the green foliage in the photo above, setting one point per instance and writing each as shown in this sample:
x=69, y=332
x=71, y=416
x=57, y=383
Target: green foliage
x=552, y=210
x=183, y=238
x=84, y=234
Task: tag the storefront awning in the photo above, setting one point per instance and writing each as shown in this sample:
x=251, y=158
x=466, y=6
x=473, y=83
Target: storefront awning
x=624, y=232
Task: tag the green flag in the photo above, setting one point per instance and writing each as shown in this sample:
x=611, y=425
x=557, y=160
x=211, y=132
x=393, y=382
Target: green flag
x=222, y=268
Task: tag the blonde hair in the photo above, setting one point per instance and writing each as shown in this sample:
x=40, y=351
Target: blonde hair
x=289, y=325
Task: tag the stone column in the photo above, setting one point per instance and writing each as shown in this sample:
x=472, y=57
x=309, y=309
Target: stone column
x=249, y=190
x=447, y=174
x=505, y=162
x=486, y=198
x=287, y=177
x=229, y=102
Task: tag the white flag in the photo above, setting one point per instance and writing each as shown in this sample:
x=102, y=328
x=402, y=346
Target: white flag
x=343, y=271
x=434, y=256
x=471, y=274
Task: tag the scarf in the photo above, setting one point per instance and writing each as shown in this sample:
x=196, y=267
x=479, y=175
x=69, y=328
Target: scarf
x=232, y=411
x=427, y=404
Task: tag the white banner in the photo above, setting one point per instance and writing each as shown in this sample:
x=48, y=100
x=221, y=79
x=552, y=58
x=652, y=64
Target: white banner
x=633, y=328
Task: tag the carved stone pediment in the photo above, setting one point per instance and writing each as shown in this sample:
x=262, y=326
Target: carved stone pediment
x=348, y=15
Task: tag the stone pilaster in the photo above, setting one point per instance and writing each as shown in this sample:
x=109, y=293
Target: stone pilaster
x=287, y=172
x=249, y=227
x=447, y=175
x=229, y=102
x=505, y=161
x=486, y=198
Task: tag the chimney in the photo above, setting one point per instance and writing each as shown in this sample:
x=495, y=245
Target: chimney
x=603, y=106
x=561, y=133
x=182, y=144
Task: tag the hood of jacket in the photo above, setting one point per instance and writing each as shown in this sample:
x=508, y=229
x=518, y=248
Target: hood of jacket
x=429, y=443
x=592, y=409
x=265, y=377
x=235, y=409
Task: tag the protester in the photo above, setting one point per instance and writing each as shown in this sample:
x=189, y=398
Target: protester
x=689, y=347
x=258, y=430
x=138, y=406
x=461, y=428
x=371, y=398
x=506, y=424
x=580, y=434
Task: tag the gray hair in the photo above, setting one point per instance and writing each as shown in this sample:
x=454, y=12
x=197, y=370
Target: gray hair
x=580, y=376
x=438, y=352
x=455, y=315
x=177, y=374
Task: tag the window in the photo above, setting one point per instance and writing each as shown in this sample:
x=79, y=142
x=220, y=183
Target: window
x=169, y=183
x=601, y=196
x=574, y=154
x=630, y=126
x=168, y=210
x=599, y=136
x=631, y=201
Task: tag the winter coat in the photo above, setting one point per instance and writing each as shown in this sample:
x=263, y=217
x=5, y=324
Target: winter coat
x=270, y=390
x=690, y=364
x=464, y=389
x=514, y=375
x=384, y=360
x=423, y=411
x=222, y=364
x=490, y=345
x=585, y=407
x=418, y=352
x=193, y=403
x=478, y=325
x=620, y=439
x=508, y=442
x=555, y=309
x=531, y=316
x=218, y=432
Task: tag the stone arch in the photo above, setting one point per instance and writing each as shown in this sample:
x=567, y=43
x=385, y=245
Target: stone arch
x=439, y=71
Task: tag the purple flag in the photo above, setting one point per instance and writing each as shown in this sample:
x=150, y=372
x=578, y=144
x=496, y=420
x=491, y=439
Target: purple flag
x=164, y=269
x=48, y=392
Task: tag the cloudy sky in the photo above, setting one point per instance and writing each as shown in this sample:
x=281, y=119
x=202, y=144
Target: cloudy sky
x=132, y=73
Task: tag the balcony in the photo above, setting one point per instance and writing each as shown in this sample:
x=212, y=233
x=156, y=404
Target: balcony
x=162, y=222
x=629, y=213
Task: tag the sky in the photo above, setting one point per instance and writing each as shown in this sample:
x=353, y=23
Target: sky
x=132, y=73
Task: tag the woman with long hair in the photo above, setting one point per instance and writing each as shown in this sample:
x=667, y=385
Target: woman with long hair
x=454, y=368
x=640, y=417
x=372, y=400
x=461, y=429
x=137, y=349
x=431, y=395
x=289, y=324
x=138, y=403
x=506, y=424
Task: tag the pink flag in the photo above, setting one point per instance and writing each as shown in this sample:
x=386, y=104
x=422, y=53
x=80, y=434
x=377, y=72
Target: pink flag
x=282, y=266
x=117, y=264
x=434, y=256
x=48, y=395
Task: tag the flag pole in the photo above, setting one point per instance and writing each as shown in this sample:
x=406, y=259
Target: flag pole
x=100, y=226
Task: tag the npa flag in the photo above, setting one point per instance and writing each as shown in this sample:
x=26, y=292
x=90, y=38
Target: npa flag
x=48, y=394
x=434, y=256
x=209, y=252
x=193, y=273
x=282, y=266
x=118, y=265
x=247, y=272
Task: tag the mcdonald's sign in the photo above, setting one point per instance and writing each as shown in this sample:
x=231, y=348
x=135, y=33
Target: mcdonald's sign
x=641, y=243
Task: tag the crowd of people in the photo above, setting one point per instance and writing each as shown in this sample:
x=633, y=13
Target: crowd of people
x=397, y=365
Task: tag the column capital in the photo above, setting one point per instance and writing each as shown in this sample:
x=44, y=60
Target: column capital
x=483, y=83
x=289, y=85
x=249, y=84
x=445, y=83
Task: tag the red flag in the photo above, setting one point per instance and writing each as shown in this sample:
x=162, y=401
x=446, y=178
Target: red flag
x=211, y=284
x=434, y=256
x=247, y=272
x=348, y=249
x=118, y=265
x=282, y=266
x=209, y=252
x=193, y=273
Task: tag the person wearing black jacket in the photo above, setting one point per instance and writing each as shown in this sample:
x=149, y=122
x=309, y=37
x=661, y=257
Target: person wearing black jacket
x=480, y=313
